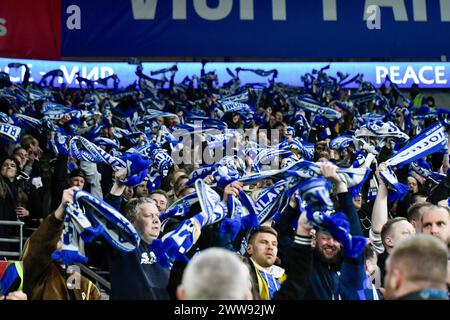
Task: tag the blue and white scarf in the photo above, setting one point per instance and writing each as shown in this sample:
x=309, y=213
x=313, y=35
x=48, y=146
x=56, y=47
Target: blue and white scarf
x=153, y=114
x=301, y=148
x=264, y=156
x=353, y=177
x=27, y=122
x=260, y=72
x=381, y=130
x=59, y=143
x=174, y=245
x=319, y=209
x=102, y=141
x=201, y=173
x=90, y=217
x=180, y=207
x=242, y=215
x=55, y=111
x=137, y=167
x=268, y=201
x=237, y=97
x=429, y=141
x=10, y=131
x=340, y=143
x=370, y=117
x=444, y=117
x=314, y=106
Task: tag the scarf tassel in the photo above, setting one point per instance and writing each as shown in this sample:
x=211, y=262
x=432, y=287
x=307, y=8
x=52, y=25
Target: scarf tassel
x=356, y=189
x=397, y=192
x=90, y=233
x=69, y=257
x=231, y=226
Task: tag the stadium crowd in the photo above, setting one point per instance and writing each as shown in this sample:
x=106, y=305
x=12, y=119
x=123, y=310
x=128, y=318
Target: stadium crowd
x=196, y=190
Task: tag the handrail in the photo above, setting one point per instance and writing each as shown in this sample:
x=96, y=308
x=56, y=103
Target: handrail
x=11, y=223
x=94, y=275
x=19, y=224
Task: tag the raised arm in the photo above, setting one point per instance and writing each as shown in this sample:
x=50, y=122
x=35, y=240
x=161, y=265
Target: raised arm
x=37, y=254
x=299, y=263
x=380, y=206
x=114, y=198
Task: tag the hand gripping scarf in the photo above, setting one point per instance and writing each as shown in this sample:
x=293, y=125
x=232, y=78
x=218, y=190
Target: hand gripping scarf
x=319, y=209
x=241, y=215
x=58, y=143
x=90, y=217
x=353, y=177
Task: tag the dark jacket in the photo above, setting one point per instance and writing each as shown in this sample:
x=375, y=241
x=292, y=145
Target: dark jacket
x=345, y=281
x=441, y=192
x=8, y=213
x=58, y=181
x=137, y=275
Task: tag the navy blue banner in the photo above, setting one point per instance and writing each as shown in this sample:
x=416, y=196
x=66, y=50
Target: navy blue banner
x=403, y=74
x=256, y=28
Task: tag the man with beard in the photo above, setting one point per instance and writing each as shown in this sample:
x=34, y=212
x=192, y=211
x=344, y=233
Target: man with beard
x=417, y=270
x=334, y=276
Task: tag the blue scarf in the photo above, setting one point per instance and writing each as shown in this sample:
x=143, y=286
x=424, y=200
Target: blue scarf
x=340, y=143
x=10, y=131
x=314, y=106
x=137, y=167
x=180, y=207
x=27, y=122
x=174, y=245
x=90, y=217
x=319, y=209
x=304, y=170
x=381, y=130
x=429, y=141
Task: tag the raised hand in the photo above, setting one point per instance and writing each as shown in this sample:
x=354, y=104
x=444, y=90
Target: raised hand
x=66, y=198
